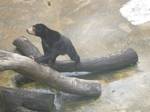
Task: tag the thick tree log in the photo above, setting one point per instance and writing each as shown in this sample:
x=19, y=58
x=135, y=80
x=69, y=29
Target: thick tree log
x=46, y=75
x=22, y=109
x=2, y=103
x=19, y=100
x=26, y=48
x=104, y=64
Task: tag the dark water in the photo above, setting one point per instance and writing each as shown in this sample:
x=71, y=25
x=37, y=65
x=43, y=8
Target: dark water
x=95, y=27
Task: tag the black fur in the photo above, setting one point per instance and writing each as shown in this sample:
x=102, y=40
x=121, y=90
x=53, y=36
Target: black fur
x=54, y=44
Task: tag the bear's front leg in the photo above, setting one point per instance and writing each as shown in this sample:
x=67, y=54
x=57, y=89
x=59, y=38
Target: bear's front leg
x=52, y=56
x=52, y=59
x=43, y=59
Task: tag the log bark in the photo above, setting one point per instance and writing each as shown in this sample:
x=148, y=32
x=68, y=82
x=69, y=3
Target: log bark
x=22, y=109
x=26, y=48
x=19, y=100
x=2, y=103
x=46, y=75
x=103, y=64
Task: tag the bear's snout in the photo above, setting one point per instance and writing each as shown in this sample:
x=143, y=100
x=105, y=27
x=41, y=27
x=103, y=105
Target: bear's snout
x=30, y=31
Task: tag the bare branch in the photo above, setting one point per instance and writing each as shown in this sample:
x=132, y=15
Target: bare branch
x=44, y=74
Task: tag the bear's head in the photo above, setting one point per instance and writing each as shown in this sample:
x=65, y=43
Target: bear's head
x=37, y=30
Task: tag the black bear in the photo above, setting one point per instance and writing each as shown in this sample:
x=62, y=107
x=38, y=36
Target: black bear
x=53, y=44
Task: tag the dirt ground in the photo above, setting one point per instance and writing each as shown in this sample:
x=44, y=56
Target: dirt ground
x=97, y=29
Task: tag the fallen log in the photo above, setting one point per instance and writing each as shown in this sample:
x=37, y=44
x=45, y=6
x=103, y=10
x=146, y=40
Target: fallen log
x=22, y=109
x=2, y=104
x=19, y=100
x=46, y=75
x=22, y=100
x=104, y=64
x=99, y=65
x=26, y=48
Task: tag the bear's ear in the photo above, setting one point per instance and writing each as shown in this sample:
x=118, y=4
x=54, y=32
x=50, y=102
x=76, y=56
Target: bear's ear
x=40, y=25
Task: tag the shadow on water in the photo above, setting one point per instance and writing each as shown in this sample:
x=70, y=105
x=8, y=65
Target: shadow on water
x=96, y=28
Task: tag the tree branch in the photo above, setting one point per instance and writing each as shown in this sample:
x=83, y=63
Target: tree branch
x=44, y=74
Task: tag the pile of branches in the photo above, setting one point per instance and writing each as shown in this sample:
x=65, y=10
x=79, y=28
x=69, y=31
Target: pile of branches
x=18, y=100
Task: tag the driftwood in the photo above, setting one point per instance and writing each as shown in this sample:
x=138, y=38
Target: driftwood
x=23, y=109
x=2, y=103
x=104, y=64
x=19, y=100
x=46, y=75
